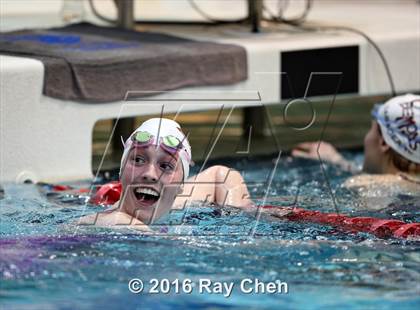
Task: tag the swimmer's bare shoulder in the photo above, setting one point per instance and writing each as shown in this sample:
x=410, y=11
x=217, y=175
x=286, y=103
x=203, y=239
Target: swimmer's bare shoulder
x=113, y=218
x=368, y=180
x=217, y=184
x=195, y=190
x=376, y=192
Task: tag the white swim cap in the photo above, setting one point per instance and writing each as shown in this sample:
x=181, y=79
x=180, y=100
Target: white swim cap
x=399, y=119
x=160, y=129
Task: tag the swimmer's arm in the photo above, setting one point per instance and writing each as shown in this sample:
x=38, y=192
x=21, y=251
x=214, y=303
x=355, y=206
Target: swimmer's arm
x=218, y=184
x=327, y=152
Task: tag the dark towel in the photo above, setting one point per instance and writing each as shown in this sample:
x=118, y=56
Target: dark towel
x=91, y=63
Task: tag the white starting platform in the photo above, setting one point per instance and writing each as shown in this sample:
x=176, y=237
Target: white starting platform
x=45, y=139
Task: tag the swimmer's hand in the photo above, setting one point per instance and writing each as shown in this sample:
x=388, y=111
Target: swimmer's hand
x=323, y=150
x=276, y=211
x=314, y=150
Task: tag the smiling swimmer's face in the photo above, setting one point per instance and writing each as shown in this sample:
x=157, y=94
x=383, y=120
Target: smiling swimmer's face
x=151, y=179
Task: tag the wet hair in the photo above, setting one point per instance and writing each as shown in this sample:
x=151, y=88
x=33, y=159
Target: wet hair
x=400, y=162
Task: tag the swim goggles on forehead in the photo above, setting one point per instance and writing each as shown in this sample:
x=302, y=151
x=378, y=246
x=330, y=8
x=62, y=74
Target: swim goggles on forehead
x=169, y=143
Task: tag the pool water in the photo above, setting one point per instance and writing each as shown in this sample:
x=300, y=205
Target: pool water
x=47, y=262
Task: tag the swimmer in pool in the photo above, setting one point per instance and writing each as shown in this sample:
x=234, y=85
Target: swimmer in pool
x=154, y=177
x=391, y=147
